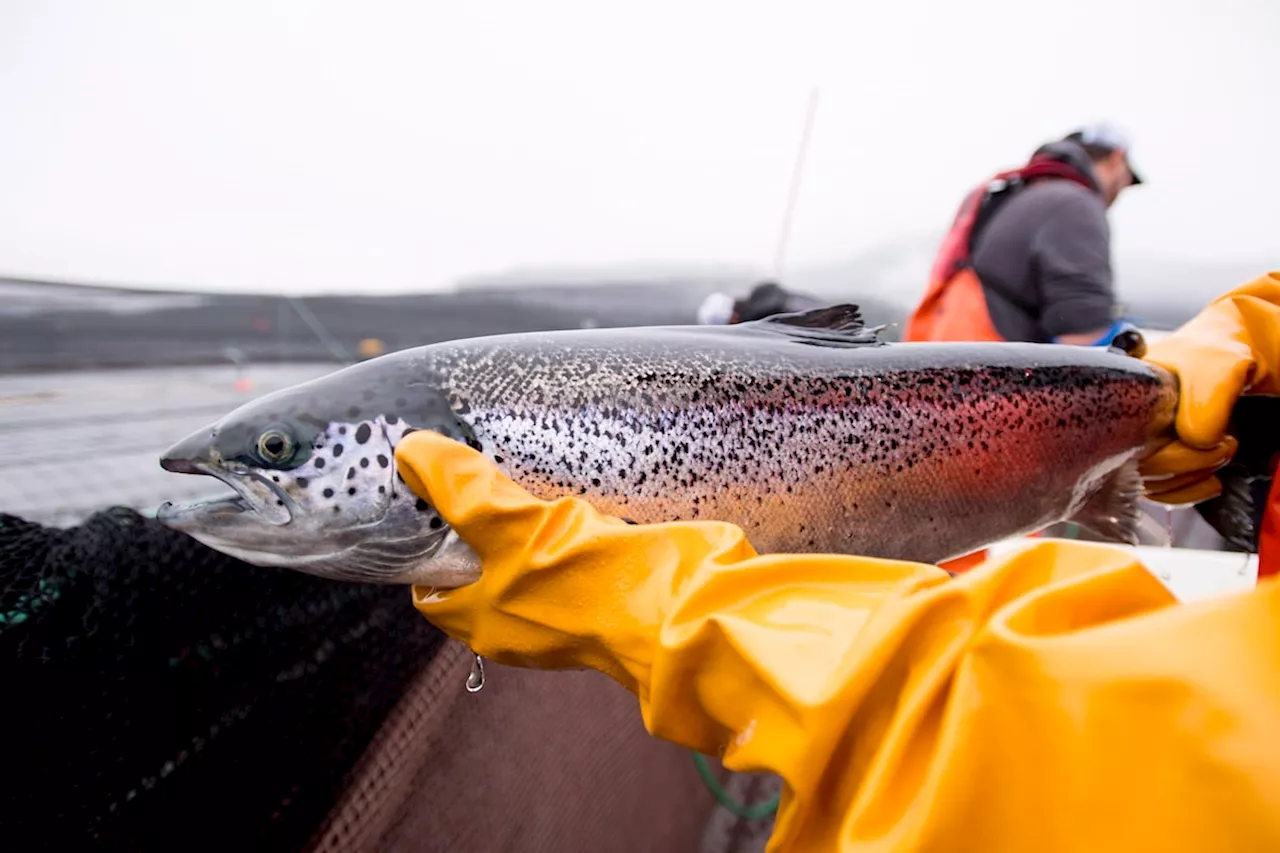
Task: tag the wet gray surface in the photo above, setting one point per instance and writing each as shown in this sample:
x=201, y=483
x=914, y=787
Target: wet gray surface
x=75, y=443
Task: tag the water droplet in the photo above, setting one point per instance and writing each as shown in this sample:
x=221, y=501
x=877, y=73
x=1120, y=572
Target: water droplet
x=475, y=678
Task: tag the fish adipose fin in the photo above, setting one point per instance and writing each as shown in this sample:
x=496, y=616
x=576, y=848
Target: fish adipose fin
x=1113, y=511
x=834, y=326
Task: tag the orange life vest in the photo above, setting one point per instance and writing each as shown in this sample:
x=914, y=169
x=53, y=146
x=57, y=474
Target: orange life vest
x=954, y=307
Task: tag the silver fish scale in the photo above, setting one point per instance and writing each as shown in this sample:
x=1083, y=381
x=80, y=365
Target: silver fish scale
x=808, y=448
x=804, y=432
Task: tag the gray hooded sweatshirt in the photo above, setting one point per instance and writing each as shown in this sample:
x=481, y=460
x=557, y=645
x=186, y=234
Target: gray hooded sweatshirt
x=1044, y=258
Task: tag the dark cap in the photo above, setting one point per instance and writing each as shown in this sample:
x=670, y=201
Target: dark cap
x=1109, y=137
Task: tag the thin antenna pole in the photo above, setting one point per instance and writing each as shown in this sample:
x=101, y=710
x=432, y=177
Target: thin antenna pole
x=797, y=174
x=322, y=333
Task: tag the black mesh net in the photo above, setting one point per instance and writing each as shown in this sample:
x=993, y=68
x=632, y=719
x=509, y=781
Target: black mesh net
x=162, y=696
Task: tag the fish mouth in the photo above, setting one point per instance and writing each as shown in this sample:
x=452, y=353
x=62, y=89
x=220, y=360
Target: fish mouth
x=181, y=466
x=174, y=514
x=244, y=501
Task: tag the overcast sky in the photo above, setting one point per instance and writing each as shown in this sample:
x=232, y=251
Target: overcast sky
x=387, y=147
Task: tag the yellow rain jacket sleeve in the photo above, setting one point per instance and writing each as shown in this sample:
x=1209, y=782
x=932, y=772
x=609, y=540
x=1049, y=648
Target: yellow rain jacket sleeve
x=1055, y=700
x=1230, y=348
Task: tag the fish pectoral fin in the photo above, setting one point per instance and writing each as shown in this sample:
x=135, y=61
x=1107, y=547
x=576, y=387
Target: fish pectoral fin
x=1113, y=511
x=835, y=325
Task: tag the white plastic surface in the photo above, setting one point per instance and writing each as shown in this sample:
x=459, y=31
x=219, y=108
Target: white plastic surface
x=1190, y=573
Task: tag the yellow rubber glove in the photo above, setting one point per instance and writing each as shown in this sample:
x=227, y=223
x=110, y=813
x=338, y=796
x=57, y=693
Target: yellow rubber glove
x=1055, y=700
x=1230, y=348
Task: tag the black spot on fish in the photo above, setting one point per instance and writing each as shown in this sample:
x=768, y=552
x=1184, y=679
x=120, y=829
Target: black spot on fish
x=302, y=482
x=382, y=490
x=353, y=412
x=364, y=463
x=408, y=430
x=320, y=462
x=328, y=493
x=437, y=522
x=337, y=451
x=351, y=473
x=383, y=461
x=352, y=491
x=279, y=502
x=498, y=459
x=421, y=506
x=362, y=433
x=275, y=479
x=342, y=430
x=337, y=508
x=473, y=444
x=392, y=420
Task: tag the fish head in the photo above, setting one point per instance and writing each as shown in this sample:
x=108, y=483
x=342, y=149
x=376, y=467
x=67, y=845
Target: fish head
x=316, y=488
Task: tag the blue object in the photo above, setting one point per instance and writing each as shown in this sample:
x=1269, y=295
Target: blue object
x=1110, y=334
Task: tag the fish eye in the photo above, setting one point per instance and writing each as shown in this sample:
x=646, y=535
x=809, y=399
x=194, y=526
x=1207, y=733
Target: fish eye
x=275, y=445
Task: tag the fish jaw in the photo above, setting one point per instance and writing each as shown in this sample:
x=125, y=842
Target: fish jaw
x=230, y=526
x=396, y=547
x=198, y=454
x=250, y=525
x=255, y=494
x=193, y=454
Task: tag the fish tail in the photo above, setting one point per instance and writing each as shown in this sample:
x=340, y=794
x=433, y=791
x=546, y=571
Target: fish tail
x=1236, y=514
x=1113, y=511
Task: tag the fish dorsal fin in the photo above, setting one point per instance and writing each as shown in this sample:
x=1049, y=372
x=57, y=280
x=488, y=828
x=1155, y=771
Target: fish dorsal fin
x=834, y=325
x=835, y=318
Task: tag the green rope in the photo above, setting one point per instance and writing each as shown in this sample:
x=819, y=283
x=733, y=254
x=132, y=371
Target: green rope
x=759, y=810
x=26, y=605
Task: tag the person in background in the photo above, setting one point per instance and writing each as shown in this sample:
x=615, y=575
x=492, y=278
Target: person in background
x=1059, y=698
x=765, y=299
x=1028, y=256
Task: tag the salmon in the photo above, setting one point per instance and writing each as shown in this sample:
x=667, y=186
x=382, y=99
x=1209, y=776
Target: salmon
x=804, y=429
